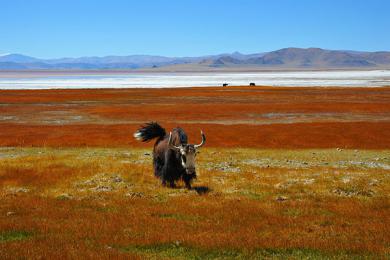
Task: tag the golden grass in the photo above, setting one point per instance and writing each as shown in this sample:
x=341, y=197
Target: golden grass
x=105, y=202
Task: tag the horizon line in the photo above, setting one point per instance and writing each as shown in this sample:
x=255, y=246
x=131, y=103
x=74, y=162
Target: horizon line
x=180, y=56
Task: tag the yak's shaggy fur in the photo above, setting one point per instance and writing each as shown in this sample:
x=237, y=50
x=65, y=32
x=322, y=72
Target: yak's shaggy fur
x=167, y=162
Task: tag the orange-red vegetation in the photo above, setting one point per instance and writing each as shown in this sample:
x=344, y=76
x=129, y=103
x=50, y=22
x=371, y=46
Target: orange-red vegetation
x=366, y=135
x=84, y=229
x=75, y=184
x=96, y=202
x=233, y=116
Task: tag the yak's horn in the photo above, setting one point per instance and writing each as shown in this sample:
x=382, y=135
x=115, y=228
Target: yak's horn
x=170, y=142
x=203, y=140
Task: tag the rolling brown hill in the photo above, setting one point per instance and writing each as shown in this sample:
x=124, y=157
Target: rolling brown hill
x=310, y=58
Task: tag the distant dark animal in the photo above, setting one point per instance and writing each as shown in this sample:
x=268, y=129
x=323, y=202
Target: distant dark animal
x=252, y=84
x=173, y=157
x=225, y=85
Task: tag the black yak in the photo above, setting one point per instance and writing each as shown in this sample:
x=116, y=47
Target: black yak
x=173, y=157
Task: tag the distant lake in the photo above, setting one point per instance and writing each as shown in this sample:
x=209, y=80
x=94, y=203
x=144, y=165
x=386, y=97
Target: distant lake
x=40, y=80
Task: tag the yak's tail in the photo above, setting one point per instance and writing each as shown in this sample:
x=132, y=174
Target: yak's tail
x=149, y=131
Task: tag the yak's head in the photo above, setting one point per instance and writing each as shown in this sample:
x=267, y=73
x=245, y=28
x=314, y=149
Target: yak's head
x=187, y=153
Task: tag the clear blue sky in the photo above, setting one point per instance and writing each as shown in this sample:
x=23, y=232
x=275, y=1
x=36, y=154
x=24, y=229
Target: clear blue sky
x=55, y=28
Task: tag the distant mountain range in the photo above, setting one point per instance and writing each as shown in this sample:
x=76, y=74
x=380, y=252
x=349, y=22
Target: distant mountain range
x=288, y=58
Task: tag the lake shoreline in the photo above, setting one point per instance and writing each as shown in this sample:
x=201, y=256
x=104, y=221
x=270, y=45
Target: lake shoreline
x=127, y=79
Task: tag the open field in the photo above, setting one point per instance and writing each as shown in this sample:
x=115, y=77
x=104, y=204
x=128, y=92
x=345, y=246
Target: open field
x=85, y=202
x=262, y=117
x=286, y=173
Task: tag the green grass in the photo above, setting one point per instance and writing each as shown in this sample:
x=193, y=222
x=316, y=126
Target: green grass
x=255, y=195
x=14, y=235
x=176, y=216
x=292, y=212
x=177, y=251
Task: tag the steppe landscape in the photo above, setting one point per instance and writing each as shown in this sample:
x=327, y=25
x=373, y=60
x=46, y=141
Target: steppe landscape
x=194, y=129
x=285, y=173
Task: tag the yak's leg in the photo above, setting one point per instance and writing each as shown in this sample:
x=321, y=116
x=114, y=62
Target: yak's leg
x=159, y=170
x=188, y=180
x=188, y=184
x=158, y=166
x=172, y=184
x=168, y=171
x=164, y=180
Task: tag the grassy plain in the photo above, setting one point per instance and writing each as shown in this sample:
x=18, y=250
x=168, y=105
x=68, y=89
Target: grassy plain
x=286, y=173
